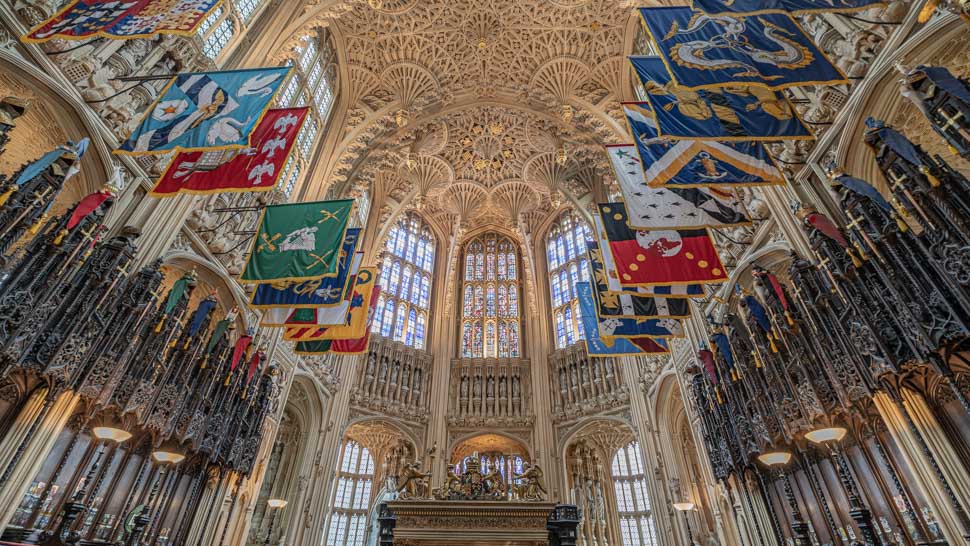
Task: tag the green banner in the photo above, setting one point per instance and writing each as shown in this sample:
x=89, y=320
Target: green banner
x=298, y=241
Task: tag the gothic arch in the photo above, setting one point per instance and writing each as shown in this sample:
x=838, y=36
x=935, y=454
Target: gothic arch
x=211, y=277
x=460, y=440
x=360, y=425
x=941, y=41
x=60, y=115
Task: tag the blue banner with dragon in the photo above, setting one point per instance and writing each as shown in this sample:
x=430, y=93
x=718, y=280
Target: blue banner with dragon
x=703, y=51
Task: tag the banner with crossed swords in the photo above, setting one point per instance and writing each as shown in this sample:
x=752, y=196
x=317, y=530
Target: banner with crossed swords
x=299, y=241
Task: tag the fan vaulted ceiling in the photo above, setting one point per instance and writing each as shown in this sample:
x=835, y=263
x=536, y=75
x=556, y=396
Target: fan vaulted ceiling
x=483, y=108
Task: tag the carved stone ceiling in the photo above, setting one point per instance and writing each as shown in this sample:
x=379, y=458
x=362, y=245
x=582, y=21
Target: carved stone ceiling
x=481, y=93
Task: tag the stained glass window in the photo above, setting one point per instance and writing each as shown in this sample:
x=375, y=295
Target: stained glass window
x=632, y=500
x=352, y=496
x=405, y=280
x=490, y=310
x=566, y=252
x=314, y=75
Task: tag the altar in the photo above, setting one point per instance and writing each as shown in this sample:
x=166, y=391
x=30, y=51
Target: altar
x=475, y=523
x=476, y=509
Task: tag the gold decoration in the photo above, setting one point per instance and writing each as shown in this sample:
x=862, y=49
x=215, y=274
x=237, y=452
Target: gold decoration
x=401, y=117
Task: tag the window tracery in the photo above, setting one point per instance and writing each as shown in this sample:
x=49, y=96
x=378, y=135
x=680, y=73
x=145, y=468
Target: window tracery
x=566, y=255
x=632, y=499
x=490, y=307
x=351, y=498
x=405, y=280
x=313, y=81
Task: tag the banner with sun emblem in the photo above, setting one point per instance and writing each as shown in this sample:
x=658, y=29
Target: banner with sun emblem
x=613, y=280
x=253, y=169
x=619, y=327
x=118, y=20
x=298, y=241
x=206, y=111
x=603, y=348
x=704, y=51
x=724, y=114
x=795, y=7
x=671, y=208
x=693, y=163
x=659, y=257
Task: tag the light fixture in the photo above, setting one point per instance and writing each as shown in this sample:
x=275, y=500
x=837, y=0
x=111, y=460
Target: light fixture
x=775, y=458
x=683, y=506
x=167, y=457
x=111, y=434
x=826, y=435
x=276, y=503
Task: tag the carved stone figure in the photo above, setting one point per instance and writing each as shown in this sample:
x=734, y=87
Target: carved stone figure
x=530, y=486
x=414, y=483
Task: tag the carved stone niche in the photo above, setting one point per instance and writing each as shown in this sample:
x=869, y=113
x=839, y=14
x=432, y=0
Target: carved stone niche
x=490, y=392
x=584, y=386
x=395, y=381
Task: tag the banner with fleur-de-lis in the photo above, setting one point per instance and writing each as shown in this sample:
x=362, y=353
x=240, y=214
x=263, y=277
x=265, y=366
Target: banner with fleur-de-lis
x=298, y=241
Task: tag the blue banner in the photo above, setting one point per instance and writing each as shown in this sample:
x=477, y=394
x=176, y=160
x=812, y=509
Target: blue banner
x=616, y=327
x=597, y=347
x=206, y=111
x=754, y=7
x=770, y=50
x=730, y=113
x=692, y=163
x=323, y=292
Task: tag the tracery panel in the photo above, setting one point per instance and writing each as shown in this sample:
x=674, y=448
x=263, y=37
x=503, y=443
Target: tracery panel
x=490, y=311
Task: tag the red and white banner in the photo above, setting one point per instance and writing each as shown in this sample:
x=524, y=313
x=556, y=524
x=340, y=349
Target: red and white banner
x=256, y=168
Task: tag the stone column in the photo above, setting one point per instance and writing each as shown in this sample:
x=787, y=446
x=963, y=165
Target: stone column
x=920, y=467
x=37, y=448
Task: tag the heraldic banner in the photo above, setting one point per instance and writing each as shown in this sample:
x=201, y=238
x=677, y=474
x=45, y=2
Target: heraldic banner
x=659, y=257
x=671, y=208
x=625, y=304
x=769, y=50
x=693, y=163
x=322, y=292
x=614, y=327
x=599, y=348
x=206, y=111
x=256, y=168
x=298, y=241
x=120, y=20
x=604, y=257
x=797, y=7
x=364, y=298
x=728, y=113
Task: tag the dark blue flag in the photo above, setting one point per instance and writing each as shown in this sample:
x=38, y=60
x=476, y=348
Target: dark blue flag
x=729, y=113
x=704, y=51
x=755, y=7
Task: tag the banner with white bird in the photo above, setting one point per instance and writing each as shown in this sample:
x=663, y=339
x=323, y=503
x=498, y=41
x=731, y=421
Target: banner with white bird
x=256, y=168
x=206, y=111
